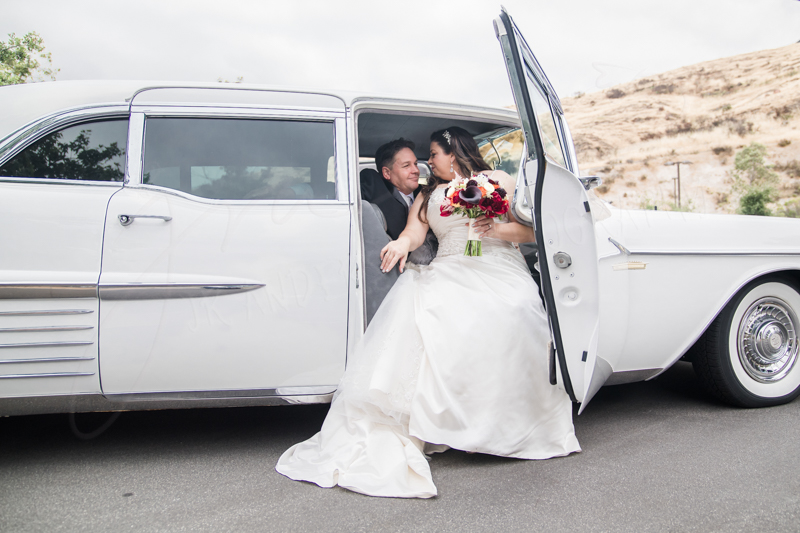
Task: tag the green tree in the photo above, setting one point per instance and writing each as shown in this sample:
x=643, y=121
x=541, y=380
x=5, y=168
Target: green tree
x=20, y=60
x=754, y=180
x=750, y=167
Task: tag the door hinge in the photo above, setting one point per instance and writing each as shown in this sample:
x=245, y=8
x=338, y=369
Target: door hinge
x=357, y=276
x=586, y=206
x=583, y=357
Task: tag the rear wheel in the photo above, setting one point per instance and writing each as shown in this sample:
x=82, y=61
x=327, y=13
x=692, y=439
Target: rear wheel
x=748, y=356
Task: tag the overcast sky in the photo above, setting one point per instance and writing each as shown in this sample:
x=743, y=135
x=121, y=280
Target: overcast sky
x=430, y=49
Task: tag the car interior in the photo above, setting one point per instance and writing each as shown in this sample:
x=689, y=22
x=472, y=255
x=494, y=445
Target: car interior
x=502, y=146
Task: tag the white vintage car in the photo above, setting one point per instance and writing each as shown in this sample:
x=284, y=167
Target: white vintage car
x=173, y=245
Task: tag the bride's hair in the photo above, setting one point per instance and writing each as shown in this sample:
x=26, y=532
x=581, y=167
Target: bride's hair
x=457, y=141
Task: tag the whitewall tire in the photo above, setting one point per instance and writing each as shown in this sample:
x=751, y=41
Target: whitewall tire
x=749, y=354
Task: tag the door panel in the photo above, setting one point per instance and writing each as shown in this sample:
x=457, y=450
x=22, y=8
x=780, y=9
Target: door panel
x=51, y=240
x=570, y=250
x=53, y=198
x=561, y=217
x=228, y=269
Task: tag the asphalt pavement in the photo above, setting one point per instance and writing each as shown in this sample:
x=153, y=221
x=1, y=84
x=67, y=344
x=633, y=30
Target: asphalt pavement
x=657, y=456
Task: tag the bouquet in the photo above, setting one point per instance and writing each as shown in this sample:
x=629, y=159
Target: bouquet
x=472, y=197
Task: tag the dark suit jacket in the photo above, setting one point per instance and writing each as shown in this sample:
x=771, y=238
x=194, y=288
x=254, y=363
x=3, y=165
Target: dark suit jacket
x=382, y=193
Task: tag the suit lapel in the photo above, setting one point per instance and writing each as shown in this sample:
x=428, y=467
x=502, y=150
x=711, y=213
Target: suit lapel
x=399, y=197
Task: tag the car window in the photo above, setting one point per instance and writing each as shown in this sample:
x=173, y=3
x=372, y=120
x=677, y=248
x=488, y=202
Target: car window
x=547, y=125
x=503, y=150
x=241, y=159
x=93, y=151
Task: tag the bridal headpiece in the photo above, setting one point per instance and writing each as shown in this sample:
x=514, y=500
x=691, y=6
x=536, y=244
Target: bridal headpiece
x=446, y=135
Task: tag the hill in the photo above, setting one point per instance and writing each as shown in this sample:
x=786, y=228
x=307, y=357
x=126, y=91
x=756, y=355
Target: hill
x=702, y=113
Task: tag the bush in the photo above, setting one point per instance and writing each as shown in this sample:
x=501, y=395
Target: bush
x=783, y=143
x=790, y=209
x=722, y=150
x=615, y=93
x=754, y=202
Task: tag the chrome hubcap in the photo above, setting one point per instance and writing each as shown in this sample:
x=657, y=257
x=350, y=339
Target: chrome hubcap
x=767, y=340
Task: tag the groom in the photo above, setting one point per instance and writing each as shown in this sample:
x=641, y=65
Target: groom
x=397, y=166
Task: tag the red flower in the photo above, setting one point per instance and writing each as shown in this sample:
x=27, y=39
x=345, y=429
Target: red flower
x=445, y=210
x=501, y=191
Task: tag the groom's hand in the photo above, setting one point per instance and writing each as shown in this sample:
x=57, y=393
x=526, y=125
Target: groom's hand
x=391, y=254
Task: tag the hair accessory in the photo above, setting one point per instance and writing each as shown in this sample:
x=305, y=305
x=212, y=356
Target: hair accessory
x=446, y=135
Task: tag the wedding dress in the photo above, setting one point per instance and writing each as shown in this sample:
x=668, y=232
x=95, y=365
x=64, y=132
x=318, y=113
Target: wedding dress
x=456, y=356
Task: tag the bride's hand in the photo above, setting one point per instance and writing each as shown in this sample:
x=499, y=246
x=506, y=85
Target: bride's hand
x=392, y=253
x=485, y=227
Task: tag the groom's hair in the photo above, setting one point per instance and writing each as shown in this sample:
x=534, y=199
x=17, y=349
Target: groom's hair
x=384, y=155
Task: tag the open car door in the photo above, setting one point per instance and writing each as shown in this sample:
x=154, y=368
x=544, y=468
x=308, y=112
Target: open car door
x=551, y=197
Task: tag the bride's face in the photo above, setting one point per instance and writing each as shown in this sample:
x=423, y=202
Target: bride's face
x=441, y=162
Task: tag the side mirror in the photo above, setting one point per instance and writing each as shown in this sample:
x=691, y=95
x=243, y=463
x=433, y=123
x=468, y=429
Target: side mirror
x=590, y=182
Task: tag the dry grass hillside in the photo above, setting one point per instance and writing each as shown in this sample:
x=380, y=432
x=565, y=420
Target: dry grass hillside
x=702, y=113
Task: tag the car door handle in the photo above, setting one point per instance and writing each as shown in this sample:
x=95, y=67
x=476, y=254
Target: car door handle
x=127, y=220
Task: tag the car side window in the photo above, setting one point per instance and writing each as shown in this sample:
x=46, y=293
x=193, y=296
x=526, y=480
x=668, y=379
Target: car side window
x=241, y=159
x=504, y=150
x=547, y=125
x=90, y=151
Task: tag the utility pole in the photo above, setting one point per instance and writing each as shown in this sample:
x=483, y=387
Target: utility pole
x=677, y=181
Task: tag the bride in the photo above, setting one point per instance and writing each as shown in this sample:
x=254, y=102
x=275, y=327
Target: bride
x=456, y=356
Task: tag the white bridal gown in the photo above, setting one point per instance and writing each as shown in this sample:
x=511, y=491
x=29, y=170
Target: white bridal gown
x=455, y=356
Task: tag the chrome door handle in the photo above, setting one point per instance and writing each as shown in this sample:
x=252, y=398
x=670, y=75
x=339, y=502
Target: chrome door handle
x=127, y=220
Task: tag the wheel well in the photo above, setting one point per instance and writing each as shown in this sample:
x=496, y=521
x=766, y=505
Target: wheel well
x=790, y=275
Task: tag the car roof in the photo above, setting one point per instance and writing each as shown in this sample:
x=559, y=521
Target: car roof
x=23, y=104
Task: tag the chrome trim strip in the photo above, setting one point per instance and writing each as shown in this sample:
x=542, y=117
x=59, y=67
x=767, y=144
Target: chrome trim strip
x=84, y=183
x=160, y=291
x=44, y=328
x=87, y=403
x=221, y=395
x=134, y=163
x=45, y=344
x=631, y=376
x=26, y=291
x=715, y=253
x=49, y=375
x=184, y=110
x=47, y=312
x=626, y=251
x=44, y=360
x=245, y=88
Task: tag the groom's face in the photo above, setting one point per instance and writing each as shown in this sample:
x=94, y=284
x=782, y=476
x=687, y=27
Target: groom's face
x=403, y=173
